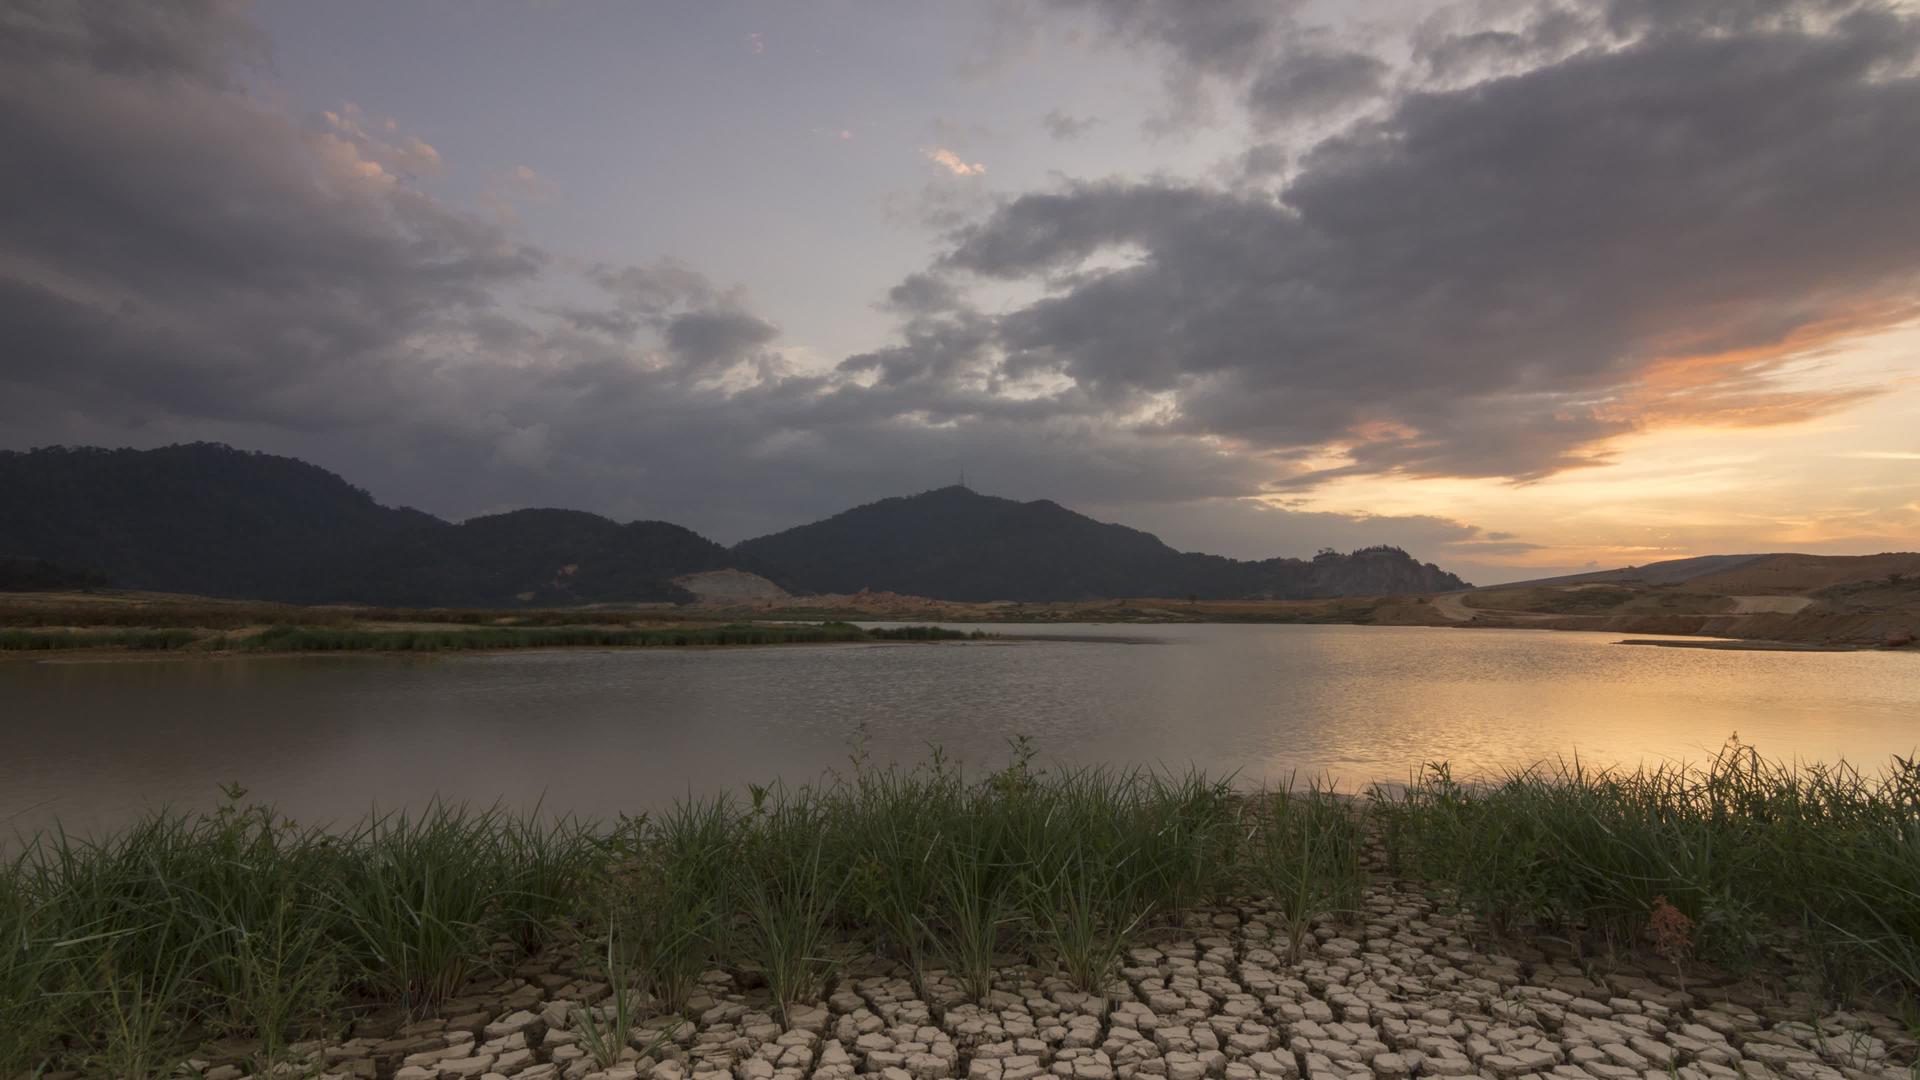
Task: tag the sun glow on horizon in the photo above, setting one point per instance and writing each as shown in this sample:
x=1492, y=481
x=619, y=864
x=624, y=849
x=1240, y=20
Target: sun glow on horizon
x=1837, y=481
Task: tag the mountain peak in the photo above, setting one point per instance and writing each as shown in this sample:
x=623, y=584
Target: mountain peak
x=953, y=543
x=953, y=491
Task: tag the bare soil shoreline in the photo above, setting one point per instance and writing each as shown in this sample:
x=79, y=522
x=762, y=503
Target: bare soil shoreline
x=1751, y=646
x=1858, y=615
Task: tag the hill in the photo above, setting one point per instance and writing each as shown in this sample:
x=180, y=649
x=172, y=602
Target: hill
x=545, y=558
x=1671, y=572
x=200, y=518
x=1792, y=574
x=955, y=544
x=1827, y=600
x=39, y=575
x=1777, y=573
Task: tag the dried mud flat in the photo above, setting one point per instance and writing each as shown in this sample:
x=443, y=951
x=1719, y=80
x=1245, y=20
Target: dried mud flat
x=1407, y=988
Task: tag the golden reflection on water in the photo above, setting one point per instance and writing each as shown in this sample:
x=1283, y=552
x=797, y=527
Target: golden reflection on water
x=607, y=732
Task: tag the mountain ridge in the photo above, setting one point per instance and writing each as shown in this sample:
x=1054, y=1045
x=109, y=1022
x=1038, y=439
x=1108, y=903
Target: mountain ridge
x=543, y=557
x=211, y=519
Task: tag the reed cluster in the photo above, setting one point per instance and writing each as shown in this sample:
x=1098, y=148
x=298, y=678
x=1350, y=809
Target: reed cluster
x=121, y=954
x=15, y=640
x=1716, y=862
x=924, y=633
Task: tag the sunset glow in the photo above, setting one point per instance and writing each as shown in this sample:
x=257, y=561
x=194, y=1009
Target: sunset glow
x=1262, y=278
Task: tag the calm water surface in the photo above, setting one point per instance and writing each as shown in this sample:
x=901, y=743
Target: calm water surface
x=90, y=744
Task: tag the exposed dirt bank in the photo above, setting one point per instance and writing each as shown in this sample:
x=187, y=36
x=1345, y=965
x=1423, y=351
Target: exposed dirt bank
x=1738, y=646
x=1407, y=988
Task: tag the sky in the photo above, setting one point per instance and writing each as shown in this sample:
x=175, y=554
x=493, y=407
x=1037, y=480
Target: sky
x=1523, y=286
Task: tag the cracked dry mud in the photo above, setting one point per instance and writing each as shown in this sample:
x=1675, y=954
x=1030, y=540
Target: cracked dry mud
x=1407, y=990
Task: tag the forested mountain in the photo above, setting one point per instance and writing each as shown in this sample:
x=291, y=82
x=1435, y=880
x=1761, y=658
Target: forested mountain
x=209, y=519
x=955, y=544
x=39, y=575
x=199, y=518
x=539, y=557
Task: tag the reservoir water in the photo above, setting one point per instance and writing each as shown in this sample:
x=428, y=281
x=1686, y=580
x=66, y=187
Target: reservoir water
x=603, y=732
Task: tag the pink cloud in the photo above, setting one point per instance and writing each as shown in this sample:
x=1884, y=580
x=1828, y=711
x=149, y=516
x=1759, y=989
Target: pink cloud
x=389, y=150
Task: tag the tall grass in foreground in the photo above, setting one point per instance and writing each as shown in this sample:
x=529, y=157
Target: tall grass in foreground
x=545, y=869
x=213, y=924
x=29, y=1015
x=120, y=954
x=605, y=1029
x=1063, y=864
x=1740, y=846
x=1303, y=854
x=420, y=904
x=788, y=893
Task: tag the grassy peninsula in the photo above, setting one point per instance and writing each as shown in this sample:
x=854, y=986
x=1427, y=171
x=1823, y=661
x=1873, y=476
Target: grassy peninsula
x=452, y=637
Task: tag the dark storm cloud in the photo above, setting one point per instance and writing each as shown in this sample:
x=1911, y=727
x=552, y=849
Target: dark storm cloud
x=1452, y=46
x=1282, y=69
x=179, y=259
x=703, y=339
x=1066, y=127
x=1227, y=38
x=702, y=326
x=1477, y=282
x=922, y=294
x=1314, y=82
x=1482, y=52
x=932, y=354
x=1263, y=161
x=198, y=39
x=166, y=238
x=615, y=324
x=1629, y=17
x=654, y=290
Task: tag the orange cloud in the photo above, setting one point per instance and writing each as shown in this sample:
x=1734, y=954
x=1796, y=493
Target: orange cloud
x=1693, y=384
x=1368, y=431
x=953, y=162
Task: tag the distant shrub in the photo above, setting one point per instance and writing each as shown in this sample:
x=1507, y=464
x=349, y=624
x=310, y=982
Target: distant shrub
x=924, y=633
x=30, y=640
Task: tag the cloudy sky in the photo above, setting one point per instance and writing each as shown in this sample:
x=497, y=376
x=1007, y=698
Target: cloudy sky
x=1521, y=285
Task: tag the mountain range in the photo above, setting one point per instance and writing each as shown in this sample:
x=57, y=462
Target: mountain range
x=209, y=519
